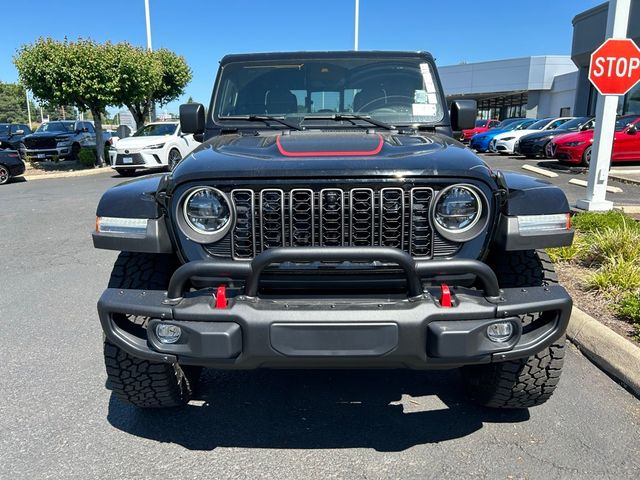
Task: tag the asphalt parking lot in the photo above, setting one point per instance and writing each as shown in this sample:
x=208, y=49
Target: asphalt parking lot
x=630, y=194
x=58, y=421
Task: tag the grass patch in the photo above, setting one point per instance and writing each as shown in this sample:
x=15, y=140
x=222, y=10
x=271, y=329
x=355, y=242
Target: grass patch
x=609, y=245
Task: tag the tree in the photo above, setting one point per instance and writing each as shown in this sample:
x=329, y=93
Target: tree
x=79, y=73
x=166, y=74
x=13, y=103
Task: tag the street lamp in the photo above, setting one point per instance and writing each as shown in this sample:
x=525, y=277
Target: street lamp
x=148, y=21
x=357, y=18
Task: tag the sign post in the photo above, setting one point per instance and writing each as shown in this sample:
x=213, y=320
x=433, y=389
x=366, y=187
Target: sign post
x=614, y=69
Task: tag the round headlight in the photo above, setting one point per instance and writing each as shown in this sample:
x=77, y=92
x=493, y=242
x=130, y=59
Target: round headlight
x=457, y=209
x=207, y=210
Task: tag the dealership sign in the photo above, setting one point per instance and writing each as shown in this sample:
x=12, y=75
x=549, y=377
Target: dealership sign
x=615, y=66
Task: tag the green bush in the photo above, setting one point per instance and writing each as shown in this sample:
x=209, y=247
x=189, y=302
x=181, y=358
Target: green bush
x=622, y=243
x=615, y=277
x=598, y=221
x=87, y=157
x=629, y=307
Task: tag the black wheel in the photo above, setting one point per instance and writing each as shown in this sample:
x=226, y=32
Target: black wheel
x=22, y=150
x=586, y=157
x=75, y=151
x=174, y=159
x=133, y=380
x=129, y=172
x=530, y=381
x=4, y=174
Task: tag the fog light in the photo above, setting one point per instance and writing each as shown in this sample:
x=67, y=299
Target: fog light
x=167, y=333
x=500, y=332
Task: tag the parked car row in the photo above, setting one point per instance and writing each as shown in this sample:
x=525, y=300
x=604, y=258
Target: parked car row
x=567, y=139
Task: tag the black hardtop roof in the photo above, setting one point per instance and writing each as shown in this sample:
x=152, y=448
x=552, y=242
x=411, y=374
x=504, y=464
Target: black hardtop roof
x=246, y=57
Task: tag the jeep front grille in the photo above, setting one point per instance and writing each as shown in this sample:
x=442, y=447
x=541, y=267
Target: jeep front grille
x=303, y=217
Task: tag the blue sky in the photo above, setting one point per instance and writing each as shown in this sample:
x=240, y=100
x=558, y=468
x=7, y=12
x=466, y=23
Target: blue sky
x=205, y=30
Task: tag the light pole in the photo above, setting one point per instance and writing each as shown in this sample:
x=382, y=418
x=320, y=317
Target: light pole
x=357, y=21
x=26, y=92
x=148, y=21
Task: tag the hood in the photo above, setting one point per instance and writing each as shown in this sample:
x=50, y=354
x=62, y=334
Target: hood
x=574, y=137
x=141, y=142
x=492, y=133
x=48, y=134
x=330, y=155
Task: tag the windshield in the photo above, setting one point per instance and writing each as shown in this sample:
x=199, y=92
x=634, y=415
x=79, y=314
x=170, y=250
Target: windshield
x=624, y=122
x=508, y=122
x=4, y=129
x=481, y=123
x=574, y=125
x=525, y=124
x=400, y=91
x=157, y=129
x=539, y=125
x=56, y=127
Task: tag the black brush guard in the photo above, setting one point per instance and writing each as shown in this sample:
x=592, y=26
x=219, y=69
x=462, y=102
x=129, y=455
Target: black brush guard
x=338, y=332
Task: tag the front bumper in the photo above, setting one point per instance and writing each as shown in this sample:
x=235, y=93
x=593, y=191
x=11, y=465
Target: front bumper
x=570, y=154
x=532, y=148
x=502, y=146
x=48, y=152
x=416, y=331
x=142, y=159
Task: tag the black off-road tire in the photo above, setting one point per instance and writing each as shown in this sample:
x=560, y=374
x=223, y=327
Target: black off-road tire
x=75, y=151
x=530, y=381
x=133, y=380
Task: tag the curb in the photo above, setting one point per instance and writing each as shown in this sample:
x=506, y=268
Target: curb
x=623, y=179
x=74, y=173
x=611, y=352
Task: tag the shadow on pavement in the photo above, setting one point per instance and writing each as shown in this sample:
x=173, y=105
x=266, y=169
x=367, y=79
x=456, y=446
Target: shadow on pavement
x=315, y=409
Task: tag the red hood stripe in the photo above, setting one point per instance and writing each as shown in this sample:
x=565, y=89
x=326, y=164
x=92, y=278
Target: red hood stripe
x=354, y=153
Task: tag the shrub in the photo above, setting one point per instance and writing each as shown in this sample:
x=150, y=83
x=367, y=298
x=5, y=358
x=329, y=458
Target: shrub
x=616, y=277
x=598, y=221
x=87, y=157
x=620, y=243
x=629, y=308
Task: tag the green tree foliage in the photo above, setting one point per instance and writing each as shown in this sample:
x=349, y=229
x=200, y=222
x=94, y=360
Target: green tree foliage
x=161, y=77
x=71, y=73
x=13, y=103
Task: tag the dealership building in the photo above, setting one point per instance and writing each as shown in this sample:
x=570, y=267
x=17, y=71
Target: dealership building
x=542, y=86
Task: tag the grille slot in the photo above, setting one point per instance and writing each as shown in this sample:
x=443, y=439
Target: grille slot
x=271, y=218
x=332, y=217
x=244, y=233
x=420, y=239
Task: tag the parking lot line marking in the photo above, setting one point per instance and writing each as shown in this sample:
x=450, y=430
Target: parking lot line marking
x=540, y=171
x=583, y=183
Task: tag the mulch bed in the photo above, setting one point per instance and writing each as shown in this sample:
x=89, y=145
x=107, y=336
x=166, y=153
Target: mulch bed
x=43, y=168
x=572, y=277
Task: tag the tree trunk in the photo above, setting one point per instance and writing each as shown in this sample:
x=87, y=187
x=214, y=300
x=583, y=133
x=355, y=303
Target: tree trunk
x=139, y=115
x=97, y=120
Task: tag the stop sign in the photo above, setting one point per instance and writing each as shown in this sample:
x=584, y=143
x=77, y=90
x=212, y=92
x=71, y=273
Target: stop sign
x=615, y=66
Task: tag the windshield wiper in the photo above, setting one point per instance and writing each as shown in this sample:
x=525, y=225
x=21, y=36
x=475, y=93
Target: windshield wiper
x=350, y=117
x=263, y=118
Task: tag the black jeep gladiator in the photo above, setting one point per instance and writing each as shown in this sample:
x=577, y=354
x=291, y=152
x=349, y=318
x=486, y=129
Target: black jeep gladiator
x=329, y=220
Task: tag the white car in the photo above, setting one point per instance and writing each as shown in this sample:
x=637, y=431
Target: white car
x=156, y=145
x=506, y=142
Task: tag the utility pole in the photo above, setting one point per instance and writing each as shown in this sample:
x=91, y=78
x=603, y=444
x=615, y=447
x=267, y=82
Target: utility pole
x=26, y=92
x=606, y=110
x=357, y=21
x=149, y=47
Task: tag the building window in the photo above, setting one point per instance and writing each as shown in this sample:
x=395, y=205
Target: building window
x=565, y=111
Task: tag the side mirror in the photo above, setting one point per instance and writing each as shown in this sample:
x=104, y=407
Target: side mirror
x=463, y=114
x=632, y=130
x=192, y=118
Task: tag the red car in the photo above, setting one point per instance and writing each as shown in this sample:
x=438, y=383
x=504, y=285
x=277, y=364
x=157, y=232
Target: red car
x=481, y=127
x=575, y=148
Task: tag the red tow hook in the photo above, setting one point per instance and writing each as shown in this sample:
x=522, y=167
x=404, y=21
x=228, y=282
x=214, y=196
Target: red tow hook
x=221, y=297
x=445, y=297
